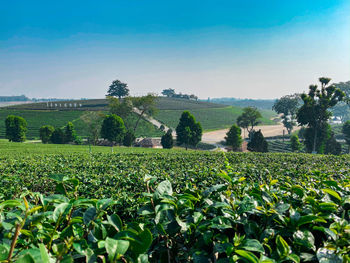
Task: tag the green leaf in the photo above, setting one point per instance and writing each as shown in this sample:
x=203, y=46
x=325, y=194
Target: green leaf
x=247, y=256
x=57, y=177
x=332, y=193
x=164, y=188
x=304, y=238
x=59, y=211
x=43, y=252
x=10, y=203
x=253, y=245
x=294, y=258
x=115, y=248
x=282, y=247
x=115, y=221
x=143, y=258
x=27, y=258
x=89, y=215
x=67, y=259
x=3, y=252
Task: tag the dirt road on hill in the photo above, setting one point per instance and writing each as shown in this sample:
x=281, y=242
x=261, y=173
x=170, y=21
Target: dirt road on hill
x=267, y=131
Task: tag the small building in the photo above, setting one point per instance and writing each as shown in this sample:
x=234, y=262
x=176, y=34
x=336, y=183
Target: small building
x=149, y=143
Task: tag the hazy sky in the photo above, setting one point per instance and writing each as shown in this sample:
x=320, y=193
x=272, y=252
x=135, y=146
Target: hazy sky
x=232, y=48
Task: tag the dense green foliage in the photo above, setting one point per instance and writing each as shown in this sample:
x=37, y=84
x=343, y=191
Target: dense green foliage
x=346, y=132
x=45, y=133
x=167, y=140
x=16, y=128
x=295, y=144
x=59, y=118
x=288, y=106
x=249, y=118
x=188, y=131
x=233, y=137
x=70, y=134
x=129, y=138
x=257, y=142
x=245, y=207
x=315, y=112
x=113, y=128
x=57, y=136
x=118, y=89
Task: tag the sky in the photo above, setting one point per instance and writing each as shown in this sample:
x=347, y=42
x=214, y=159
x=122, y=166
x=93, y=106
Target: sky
x=222, y=48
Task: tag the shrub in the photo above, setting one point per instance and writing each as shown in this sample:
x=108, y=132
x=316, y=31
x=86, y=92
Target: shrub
x=57, y=136
x=233, y=137
x=167, y=140
x=69, y=133
x=257, y=142
x=294, y=143
x=46, y=133
x=129, y=138
x=16, y=128
x=113, y=128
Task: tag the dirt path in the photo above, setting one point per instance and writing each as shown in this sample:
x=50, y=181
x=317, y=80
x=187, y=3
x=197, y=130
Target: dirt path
x=267, y=131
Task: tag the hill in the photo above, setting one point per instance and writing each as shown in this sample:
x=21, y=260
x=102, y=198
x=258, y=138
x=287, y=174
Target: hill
x=211, y=115
x=260, y=104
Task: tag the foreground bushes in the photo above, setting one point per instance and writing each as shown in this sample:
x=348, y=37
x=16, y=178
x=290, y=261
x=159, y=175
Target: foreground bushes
x=236, y=220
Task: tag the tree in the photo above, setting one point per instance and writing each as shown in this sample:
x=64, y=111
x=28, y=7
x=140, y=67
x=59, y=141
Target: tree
x=57, y=136
x=233, y=137
x=16, y=128
x=145, y=105
x=167, y=140
x=315, y=112
x=69, y=133
x=93, y=121
x=45, y=133
x=342, y=109
x=129, y=138
x=346, y=132
x=257, y=142
x=188, y=131
x=249, y=119
x=168, y=92
x=118, y=89
x=288, y=107
x=113, y=128
x=120, y=107
x=295, y=143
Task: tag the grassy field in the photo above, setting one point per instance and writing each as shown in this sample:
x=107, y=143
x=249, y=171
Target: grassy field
x=37, y=118
x=210, y=118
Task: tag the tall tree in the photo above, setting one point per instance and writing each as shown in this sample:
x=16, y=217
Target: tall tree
x=188, y=131
x=69, y=133
x=167, y=140
x=57, y=136
x=288, y=107
x=45, y=133
x=93, y=121
x=315, y=111
x=118, y=89
x=233, y=137
x=16, y=128
x=145, y=105
x=257, y=142
x=113, y=128
x=249, y=119
x=120, y=107
x=346, y=132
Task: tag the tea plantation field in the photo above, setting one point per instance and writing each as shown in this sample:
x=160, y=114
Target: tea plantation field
x=143, y=205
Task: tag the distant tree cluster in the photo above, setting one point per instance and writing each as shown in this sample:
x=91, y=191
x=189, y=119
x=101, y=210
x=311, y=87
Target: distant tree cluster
x=170, y=93
x=49, y=134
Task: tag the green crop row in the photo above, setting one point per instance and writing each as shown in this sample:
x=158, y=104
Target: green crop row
x=174, y=206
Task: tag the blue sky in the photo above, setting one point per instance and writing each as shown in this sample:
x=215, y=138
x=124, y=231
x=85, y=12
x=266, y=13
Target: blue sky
x=255, y=49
